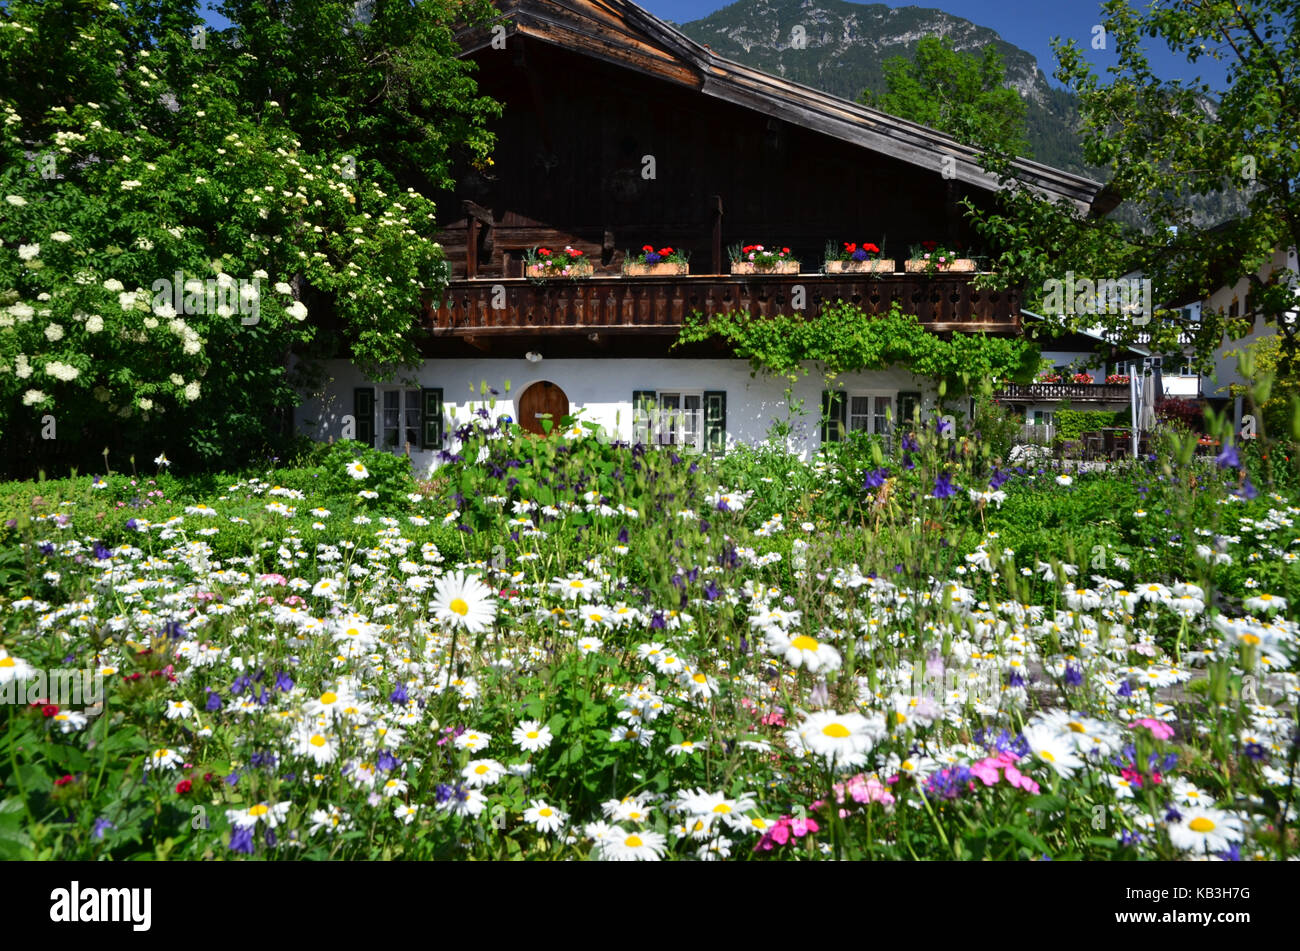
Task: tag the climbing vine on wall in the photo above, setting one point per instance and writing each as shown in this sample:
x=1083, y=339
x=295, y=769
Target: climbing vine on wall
x=843, y=339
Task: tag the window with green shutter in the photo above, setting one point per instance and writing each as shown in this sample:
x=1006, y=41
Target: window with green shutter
x=644, y=407
x=363, y=413
x=715, y=422
x=431, y=422
x=908, y=402
x=834, y=416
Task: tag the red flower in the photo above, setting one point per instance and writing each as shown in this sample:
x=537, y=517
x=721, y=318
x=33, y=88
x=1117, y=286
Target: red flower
x=49, y=710
x=929, y=245
x=851, y=247
x=785, y=250
x=543, y=252
x=63, y=780
x=184, y=786
x=870, y=249
x=647, y=247
x=665, y=251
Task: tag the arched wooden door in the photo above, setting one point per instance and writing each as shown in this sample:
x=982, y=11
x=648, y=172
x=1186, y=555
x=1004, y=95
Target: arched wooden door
x=543, y=397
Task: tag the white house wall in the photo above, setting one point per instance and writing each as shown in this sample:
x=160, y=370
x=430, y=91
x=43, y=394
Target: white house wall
x=1225, y=366
x=602, y=388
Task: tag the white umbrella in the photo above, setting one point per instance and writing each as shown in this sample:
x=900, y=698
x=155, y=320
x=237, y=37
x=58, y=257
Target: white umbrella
x=1147, y=422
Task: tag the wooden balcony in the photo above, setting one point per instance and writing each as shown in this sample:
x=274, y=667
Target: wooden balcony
x=1074, y=392
x=479, y=310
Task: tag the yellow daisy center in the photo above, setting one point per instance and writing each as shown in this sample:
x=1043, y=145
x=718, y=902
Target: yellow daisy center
x=1201, y=824
x=328, y=697
x=317, y=740
x=804, y=643
x=1076, y=727
x=633, y=842
x=459, y=606
x=722, y=807
x=545, y=813
x=259, y=810
x=837, y=730
x=1047, y=755
x=532, y=734
x=6, y=662
x=699, y=678
x=480, y=769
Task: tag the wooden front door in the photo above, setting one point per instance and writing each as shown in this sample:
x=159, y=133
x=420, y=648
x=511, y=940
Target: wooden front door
x=542, y=398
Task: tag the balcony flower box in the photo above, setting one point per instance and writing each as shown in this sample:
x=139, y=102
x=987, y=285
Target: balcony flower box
x=567, y=263
x=648, y=262
x=1048, y=378
x=852, y=257
x=932, y=258
x=1082, y=378
x=756, y=259
x=878, y=266
x=1117, y=378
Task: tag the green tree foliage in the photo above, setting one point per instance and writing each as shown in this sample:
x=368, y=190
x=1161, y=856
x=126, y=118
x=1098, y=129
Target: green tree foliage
x=844, y=339
x=138, y=146
x=962, y=94
x=1167, y=146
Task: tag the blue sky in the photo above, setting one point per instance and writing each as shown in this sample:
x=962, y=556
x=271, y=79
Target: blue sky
x=1029, y=24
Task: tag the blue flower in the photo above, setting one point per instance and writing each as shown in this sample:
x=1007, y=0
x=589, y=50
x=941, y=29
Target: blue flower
x=174, y=630
x=241, y=840
x=875, y=478
x=1229, y=458
x=1255, y=751
x=214, y=701
x=943, y=487
x=283, y=682
x=1073, y=675
x=101, y=826
x=399, y=696
x=1247, y=489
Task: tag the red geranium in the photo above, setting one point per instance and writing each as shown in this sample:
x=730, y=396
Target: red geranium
x=665, y=251
x=49, y=709
x=647, y=247
x=870, y=249
x=63, y=781
x=184, y=786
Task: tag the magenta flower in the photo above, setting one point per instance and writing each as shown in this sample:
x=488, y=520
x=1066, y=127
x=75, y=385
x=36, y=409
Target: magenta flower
x=1159, y=729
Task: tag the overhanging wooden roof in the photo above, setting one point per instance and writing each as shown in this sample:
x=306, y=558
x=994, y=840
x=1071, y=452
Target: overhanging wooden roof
x=622, y=33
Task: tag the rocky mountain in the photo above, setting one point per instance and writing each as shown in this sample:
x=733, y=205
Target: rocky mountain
x=840, y=47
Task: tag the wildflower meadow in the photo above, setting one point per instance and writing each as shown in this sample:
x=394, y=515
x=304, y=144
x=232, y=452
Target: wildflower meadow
x=572, y=648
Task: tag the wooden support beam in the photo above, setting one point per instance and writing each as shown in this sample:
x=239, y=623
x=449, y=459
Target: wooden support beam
x=715, y=207
x=478, y=342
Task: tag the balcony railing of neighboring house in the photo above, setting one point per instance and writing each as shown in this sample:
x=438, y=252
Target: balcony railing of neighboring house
x=486, y=307
x=1036, y=435
x=1074, y=392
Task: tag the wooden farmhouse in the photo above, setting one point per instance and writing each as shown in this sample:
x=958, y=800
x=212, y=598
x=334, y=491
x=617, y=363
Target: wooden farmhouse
x=618, y=133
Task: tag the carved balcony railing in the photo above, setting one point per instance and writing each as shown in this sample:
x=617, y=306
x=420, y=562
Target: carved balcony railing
x=486, y=307
x=1074, y=392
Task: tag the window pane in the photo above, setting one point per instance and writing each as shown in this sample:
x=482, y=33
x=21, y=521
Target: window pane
x=694, y=420
x=883, y=406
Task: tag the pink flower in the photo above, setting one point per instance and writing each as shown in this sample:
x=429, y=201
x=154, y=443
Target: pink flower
x=986, y=771
x=1160, y=730
x=273, y=579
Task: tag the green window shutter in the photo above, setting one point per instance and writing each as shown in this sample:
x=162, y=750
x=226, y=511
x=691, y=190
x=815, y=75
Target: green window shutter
x=431, y=424
x=363, y=411
x=907, y=404
x=643, y=412
x=715, y=421
x=834, y=416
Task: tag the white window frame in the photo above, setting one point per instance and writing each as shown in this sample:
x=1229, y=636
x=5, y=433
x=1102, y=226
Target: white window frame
x=670, y=425
x=890, y=421
x=413, y=424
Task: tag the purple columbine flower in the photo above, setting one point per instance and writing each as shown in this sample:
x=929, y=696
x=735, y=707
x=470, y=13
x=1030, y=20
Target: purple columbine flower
x=1073, y=675
x=399, y=696
x=875, y=478
x=622, y=536
x=283, y=682
x=1125, y=690
x=711, y=592
x=943, y=487
x=241, y=840
x=1255, y=751
x=101, y=826
x=1229, y=458
x=1248, y=489
x=174, y=630
x=47, y=548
